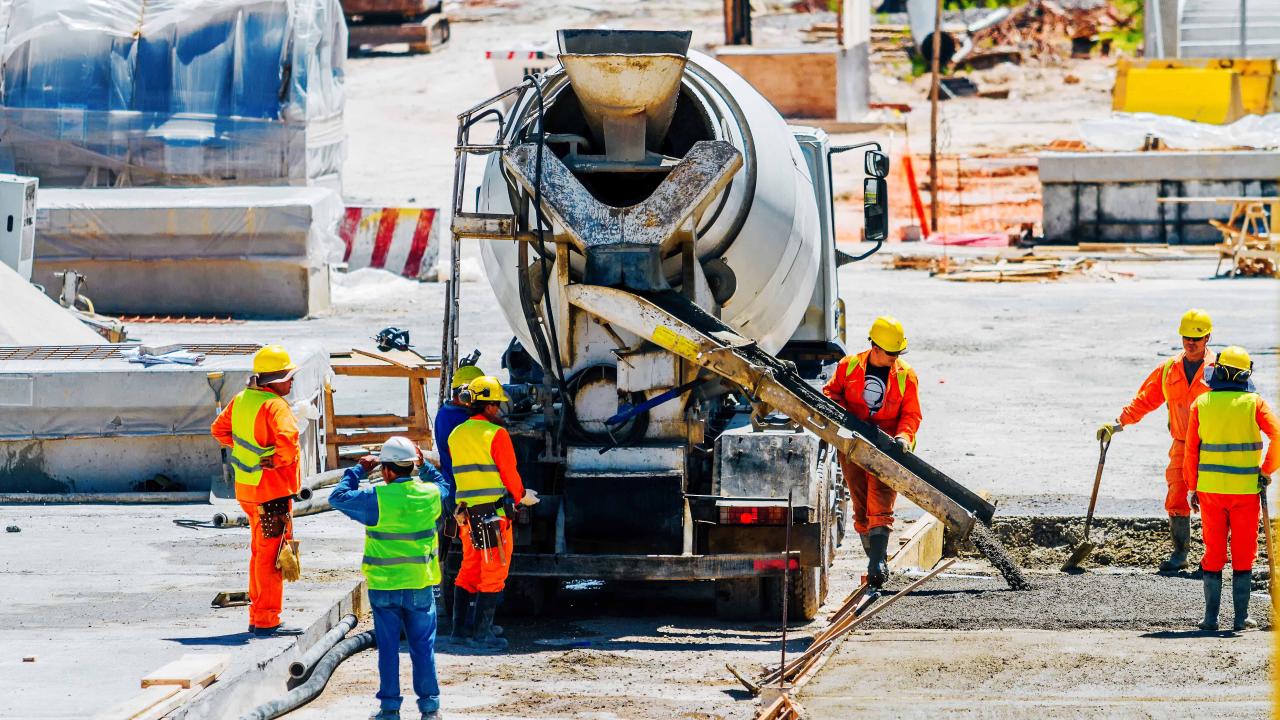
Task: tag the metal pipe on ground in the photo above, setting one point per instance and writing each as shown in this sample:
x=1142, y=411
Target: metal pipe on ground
x=236, y=518
x=299, y=669
x=120, y=498
x=311, y=689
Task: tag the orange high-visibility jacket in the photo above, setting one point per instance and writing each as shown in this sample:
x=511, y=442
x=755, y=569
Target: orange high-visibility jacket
x=1268, y=423
x=899, y=415
x=275, y=427
x=1167, y=385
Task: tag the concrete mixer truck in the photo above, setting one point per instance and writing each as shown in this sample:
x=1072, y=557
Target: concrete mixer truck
x=662, y=245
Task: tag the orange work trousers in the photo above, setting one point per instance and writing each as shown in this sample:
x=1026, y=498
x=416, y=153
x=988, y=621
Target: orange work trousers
x=1175, y=500
x=872, y=499
x=1234, y=515
x=484, y=571
x=266, y=582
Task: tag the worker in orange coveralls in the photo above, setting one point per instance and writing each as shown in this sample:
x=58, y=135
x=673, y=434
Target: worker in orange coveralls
x=877, y=385
x=261, y=433
x=1226, y=473
x=1176, y=383
x=487, y=487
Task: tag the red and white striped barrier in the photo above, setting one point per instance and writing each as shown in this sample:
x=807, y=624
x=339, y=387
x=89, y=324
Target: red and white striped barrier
x=399, y=240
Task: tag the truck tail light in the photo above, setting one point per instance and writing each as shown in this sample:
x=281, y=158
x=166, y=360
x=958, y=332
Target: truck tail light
x=775, y=564
x=772, y=515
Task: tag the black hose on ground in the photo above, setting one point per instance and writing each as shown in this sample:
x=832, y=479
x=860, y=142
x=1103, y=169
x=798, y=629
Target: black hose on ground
x=300, y=668
x=311, y=689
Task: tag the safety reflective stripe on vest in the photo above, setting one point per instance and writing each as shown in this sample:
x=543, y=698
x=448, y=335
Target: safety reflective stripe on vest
x=400, y=551
x=475, y=475
x=246, y=456
x=903, y=370
x=1230, y=443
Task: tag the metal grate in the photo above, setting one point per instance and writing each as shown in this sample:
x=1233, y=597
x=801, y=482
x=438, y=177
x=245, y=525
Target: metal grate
x=107, y=352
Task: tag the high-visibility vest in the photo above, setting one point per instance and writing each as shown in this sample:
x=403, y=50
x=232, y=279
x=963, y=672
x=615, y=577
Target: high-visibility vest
x=475, y=475
x=400, y=551
x=246, y=456
x=1230, y=442
x=902, y=371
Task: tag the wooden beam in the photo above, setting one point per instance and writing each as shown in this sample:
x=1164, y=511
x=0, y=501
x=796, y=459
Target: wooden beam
x=173, y=703
x=140, y=703
x=921, y=545
x=189, y=670
x=360, y=422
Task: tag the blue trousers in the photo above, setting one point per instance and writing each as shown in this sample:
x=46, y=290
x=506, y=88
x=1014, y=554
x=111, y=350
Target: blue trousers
x=412, y=612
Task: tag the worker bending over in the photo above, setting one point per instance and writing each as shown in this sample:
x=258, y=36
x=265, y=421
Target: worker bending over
x=877, y=385
x=1225, y=471
x=488, y=486
x=262, y=434
x=401, y=565
x=450, y=415
x=1175, y=383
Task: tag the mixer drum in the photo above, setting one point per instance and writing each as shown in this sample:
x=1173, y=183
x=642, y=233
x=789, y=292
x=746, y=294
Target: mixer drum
x=760, y=239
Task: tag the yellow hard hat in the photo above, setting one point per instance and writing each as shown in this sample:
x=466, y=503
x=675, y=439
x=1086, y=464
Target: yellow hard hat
x=1236, y=358
x=487, y=388
x=272, y=359
x=888, y=335
x=464, y=375
x=1195, y=324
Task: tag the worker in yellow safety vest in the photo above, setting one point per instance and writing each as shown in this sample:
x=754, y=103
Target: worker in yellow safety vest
x=487, y=487
x=1226, y=473
x=261, y=432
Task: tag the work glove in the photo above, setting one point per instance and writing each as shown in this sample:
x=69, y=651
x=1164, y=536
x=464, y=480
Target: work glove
x=1263, y=480
x=903, y=443
x=530, y=497
x=303, y=410
x=1108, y=430
x=368, y=463
x=1194, y=501
x=268, y=462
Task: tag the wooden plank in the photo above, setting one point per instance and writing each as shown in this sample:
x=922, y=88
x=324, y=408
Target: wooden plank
x=189, y=670
x=798, y=84
x=922, y=547
x=359, y=422
x=164, y=708
x=373, y=438
x=383, y=357
x=384, y=371
x=330, y=429
x=140, y=703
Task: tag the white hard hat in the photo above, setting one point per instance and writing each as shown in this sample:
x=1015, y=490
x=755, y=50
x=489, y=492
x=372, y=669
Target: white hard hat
x=399, y=450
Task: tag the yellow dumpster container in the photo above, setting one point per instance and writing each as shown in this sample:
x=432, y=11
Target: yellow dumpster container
x=1210, y=90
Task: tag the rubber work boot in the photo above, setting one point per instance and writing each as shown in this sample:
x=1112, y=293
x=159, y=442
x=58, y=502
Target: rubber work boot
x=482, y=638
x=1212, y=600
x=385, y=715
x=460, y=630
x=877, y=568
x=1180, y=533
x=1241, y=586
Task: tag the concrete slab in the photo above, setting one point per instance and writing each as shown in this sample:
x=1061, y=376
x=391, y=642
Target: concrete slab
x=102, y=595
x=1095, y=167
x=1042, y=674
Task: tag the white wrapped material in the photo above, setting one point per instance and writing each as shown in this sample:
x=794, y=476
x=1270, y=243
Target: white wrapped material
x=172, y=92
x=1128, y=131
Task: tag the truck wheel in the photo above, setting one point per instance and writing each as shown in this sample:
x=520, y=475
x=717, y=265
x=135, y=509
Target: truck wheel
x=527, y=595
x=739, y=599
x=805, y=596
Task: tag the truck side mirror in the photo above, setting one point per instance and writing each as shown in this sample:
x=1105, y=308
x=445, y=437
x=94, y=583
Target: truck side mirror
x=875, y=206
x=877, y=164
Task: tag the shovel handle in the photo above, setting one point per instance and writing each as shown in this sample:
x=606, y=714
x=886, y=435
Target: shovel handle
x=1097, y=482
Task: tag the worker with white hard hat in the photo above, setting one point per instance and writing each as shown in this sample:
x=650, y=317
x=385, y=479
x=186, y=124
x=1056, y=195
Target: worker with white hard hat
x=1175, y=383
x=1227, y=474
x=260, y=431
x=879, y=387
x=401, y=565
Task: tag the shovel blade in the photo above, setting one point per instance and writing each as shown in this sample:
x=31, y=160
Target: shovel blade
x=1079, y=555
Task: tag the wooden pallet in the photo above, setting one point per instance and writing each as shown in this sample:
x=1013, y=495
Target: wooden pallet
x=424, y=36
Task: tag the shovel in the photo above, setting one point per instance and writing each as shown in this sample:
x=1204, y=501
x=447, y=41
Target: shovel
x=1082, y=551
x=1271, y=558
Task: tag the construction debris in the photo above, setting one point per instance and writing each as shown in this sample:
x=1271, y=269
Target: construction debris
x=1045, y=31
x=1028, y=267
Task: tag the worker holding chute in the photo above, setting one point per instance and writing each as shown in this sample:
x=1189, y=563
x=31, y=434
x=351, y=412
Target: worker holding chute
x=1225, y=472
x=1175, y=383
x=877, y=385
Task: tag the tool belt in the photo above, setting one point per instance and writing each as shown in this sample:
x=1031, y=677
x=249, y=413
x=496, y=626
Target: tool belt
x=273, y=516
x=484, y=524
